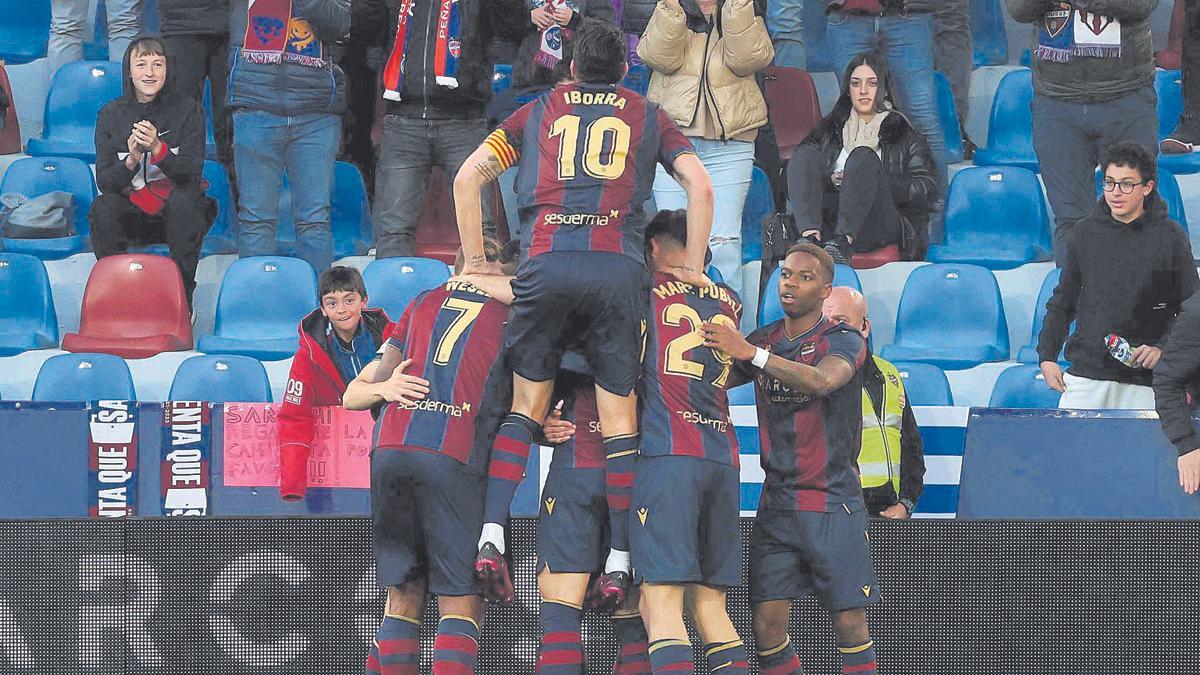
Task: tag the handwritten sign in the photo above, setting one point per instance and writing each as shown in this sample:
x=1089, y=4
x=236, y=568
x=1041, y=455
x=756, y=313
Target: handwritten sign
x=340, y=456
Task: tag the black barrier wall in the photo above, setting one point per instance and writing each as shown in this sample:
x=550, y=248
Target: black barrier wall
x=268, y=596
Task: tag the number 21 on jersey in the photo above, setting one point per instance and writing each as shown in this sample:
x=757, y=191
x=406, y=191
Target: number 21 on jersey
x=605, y=146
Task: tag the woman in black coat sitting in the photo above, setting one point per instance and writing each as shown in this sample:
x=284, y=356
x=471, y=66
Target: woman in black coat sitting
x=865, y=177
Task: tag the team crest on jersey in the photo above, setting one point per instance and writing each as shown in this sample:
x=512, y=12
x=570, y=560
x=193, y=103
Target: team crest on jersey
x=1058, y=19
x=808, y=349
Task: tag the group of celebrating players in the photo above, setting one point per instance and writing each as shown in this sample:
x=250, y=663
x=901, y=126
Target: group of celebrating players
x=610, y=344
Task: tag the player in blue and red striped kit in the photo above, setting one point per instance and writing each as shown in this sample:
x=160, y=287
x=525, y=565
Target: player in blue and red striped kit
x=684, y=541
x=810, y=533
x=429, y=463
x=587, y=152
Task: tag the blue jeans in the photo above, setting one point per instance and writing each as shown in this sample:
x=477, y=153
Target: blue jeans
x=68, y=25
x=264, y=145
x=906, y=43
x=729, y=165
x=785, y=23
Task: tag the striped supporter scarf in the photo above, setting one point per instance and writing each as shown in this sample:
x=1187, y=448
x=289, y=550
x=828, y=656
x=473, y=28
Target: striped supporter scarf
x=446, y=50
x=273, y=35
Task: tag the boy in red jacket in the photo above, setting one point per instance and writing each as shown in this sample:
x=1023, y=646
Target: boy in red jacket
x=337, y=340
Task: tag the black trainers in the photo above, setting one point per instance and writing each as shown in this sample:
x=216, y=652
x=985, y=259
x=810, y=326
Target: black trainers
x=839, y=249
x=1183, y=140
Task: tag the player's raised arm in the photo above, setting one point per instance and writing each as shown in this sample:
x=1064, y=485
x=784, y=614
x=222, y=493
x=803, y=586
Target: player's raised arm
x=693, y=177
x=498, y=152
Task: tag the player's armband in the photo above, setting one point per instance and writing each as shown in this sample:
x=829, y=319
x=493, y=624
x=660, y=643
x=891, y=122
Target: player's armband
x=497, y=142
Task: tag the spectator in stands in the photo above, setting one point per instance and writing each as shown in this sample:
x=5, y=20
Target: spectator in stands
x=197, y=34
x=1175, y=377
x=954, y=57
x=149, y=165
x=510, y=100
x=541, y=49
x=287, y=96
x=360, y=55
x=437, y=84
x=704, y=54
x=337, y=340
x=1126, y=270
x=1186, y=135
x=902, y=31
x=785, y=22
x=892, y=462
x=864, y=178
x=1091, y=90
x=69, y=20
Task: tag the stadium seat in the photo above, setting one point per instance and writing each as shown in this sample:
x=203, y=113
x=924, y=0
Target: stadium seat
x=262, y=299
x=10, y=126
x=925, y=384
x=349, y=213
x=221, y=379
x=77, y=93
x=84, y=377
x=770, y=310
x=134, y=306
x=948, y=116
x=1028, y=353
x=950, y=316
x=34, y=176
x=1023, y=387
x=995, y=217
x=501, y=78
x=1168, y=84
x=1168, y=188
x=27, y=318
x=637, y=79
x=877, y=258
x=24, y=31
x=760, y=204
x=1010, y=126
x=988, y=33
x=392, y=283
x=792, y=104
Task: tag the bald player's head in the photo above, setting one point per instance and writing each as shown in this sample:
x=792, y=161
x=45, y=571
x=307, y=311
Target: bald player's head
x=848, y=306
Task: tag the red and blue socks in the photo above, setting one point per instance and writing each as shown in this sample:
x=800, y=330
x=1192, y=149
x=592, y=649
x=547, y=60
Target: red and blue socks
x=456, y=647
x=397, y=647
x=727, y=658
x=506, y=465
x=671, y=656
x=859, y=659
x=562, y=646
x=780, y=660
x=632, y=645
x=621, y=454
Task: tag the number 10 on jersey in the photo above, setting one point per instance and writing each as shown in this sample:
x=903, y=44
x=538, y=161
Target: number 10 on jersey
x=605, y=146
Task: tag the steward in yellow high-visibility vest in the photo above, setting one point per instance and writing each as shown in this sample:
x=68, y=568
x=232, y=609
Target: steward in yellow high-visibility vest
x=892, y=461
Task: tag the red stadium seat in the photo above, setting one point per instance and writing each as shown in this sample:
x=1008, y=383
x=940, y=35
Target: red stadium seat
x=10, y=131
x=437, y=230
x=793, y=106
x=877, y=258
x=134, y=307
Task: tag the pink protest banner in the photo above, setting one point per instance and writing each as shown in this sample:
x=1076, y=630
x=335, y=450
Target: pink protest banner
x=341, y=448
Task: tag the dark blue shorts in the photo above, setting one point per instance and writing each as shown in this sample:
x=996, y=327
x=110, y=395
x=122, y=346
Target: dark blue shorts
x=573, y=521
x=426, y=515
x=683, y=525
x=794, y=554
x=591, y=301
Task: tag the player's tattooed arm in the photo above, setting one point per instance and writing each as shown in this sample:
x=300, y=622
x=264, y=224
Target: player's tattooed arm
x=829, y=375
x=490, y=168
x=476, y=172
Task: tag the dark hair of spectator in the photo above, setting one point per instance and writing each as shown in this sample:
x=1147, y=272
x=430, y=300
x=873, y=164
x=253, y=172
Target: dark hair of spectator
x=1131, y=156
x=883, y=95
x=147, y=46
x=668, y=224
x=340, y=280
x=599, y=52
x=824, y=260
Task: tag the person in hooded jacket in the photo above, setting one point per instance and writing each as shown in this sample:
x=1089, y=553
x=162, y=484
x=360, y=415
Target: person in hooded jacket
x=150, y=164
x=865, y=177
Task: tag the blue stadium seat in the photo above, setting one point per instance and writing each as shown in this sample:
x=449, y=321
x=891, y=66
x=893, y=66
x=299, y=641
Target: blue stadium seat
x=84, y=377
x=948, y=116
x=988, y=33
x=77, y=93
x=770, y=310
x=714, y=274
x=742, y=394
x=1168, y=84
x=349, y=213
x=950, y=316
x=210, y=138
x=262, y=299
x=925, y=384
x=1010, y=126
x=1028, y=353
x=1168, y=188
x=760, y=203
x=27, y=318
x=637, y=79
x=1023, y=387
x=501, y=78
x=995, y=217
x=221, y=379
x=33, y=176
x=24, y=31
x=392, y=283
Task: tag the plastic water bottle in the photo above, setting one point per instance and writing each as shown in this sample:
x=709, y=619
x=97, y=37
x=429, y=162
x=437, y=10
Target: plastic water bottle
x=1120, y=349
